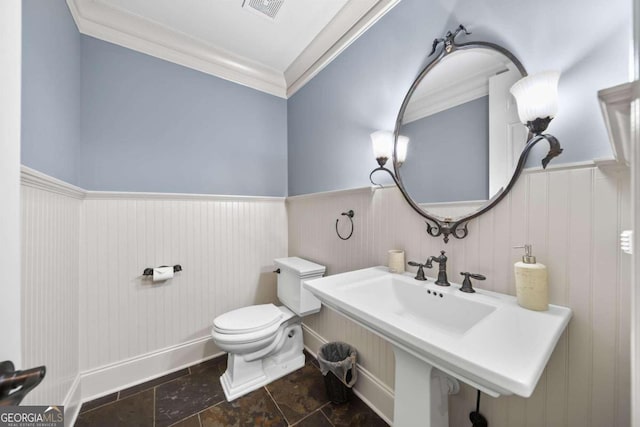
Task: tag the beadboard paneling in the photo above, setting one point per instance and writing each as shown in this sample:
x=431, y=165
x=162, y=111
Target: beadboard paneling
x=50, y=238
x=572, y=217
x=225, y=245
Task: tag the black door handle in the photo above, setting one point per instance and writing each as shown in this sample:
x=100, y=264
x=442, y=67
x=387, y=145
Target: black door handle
x=14, y=385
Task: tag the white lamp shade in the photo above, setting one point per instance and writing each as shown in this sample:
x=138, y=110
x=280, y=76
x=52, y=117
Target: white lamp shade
x=382, y=143
x=537, y=96
x=401, y=148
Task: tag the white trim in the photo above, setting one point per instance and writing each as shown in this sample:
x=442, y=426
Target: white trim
x=107, y=23
x=442, y=98
x=346, y=191
x=635, y=261
x=464, y=203
x=127, y=195
x=136, y=370
x=333, y=40
x=36, y=179
x=634, y=159
x=33, y=178
x=566, y=166
x=615, y=103
x=73, y=402
x=436, y=102
x=376, y=394
x=601, y=163
x=10, y=116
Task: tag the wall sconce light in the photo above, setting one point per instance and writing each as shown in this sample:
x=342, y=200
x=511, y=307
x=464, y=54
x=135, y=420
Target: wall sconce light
x=537, y=99
x=401, y=149
x=382, y=142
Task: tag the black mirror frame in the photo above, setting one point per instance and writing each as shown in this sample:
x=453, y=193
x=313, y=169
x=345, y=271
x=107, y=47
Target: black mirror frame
x=458, y=227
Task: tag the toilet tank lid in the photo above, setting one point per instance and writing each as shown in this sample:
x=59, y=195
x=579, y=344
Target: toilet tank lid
x=301, y=266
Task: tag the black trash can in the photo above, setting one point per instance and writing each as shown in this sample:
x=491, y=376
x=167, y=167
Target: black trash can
x=338, y=365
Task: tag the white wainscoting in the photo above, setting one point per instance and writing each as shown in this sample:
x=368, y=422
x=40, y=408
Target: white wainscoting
x=572, y=217
x=50, y=241
x=90, y=316
x=116, y=322
x=226, y=247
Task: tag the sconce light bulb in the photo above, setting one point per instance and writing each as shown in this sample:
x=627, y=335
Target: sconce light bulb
x=382, y=144
x=402, y=146
x=537, y=97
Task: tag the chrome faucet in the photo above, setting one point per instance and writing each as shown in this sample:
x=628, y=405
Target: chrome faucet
x=442, y=270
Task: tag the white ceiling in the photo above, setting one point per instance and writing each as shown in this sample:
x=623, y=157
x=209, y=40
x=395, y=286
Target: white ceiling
x=226, y=24
x=222, y=38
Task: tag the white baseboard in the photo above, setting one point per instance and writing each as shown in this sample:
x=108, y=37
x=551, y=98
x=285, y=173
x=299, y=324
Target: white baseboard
x=126, y=373
x=73, y=402
x=377, y=395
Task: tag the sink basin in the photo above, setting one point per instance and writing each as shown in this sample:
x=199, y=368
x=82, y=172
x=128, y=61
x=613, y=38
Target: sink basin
x=484, y=339
x=412, y=306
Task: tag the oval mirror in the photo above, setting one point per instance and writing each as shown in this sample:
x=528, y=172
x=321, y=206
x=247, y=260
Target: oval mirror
x=467, y=143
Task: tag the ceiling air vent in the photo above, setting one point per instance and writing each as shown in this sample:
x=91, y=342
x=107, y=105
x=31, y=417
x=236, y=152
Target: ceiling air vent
x=265, y=8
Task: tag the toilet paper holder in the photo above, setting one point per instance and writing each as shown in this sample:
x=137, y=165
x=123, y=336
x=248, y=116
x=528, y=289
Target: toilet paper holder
x=149, y=271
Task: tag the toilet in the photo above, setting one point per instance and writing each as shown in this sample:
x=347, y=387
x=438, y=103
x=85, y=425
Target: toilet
x=264, y=342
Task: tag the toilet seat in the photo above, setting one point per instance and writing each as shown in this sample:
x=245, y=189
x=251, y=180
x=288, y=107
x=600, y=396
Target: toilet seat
x=248, y=319
x=250, y=324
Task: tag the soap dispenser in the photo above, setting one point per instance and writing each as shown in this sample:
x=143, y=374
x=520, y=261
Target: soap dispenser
x=532, y=289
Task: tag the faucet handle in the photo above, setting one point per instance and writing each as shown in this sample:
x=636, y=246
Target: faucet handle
x=420, y=273
x=466, y=283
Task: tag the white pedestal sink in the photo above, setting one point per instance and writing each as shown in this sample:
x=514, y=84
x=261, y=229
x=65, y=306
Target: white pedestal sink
x=421, y=392
x=483, y=339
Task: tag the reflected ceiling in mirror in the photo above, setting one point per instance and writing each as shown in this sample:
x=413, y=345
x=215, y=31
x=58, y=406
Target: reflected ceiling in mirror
x=465, y=133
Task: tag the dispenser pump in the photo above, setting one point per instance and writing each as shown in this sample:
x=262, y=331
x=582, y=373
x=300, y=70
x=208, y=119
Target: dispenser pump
x=527, y=258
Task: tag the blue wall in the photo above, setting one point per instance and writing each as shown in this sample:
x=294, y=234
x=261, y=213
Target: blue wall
x=330, y=119
x=50, y=89
x=452, y=145
x=107, y=118
x=151, y=125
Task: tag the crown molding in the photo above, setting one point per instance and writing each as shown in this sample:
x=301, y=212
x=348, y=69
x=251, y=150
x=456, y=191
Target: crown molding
x=112, y=25
x=106, y=23
x=455, y=93
x=615, y=104
x=345, y=28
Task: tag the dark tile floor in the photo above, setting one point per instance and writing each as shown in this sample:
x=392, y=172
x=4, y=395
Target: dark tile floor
x=193, y=397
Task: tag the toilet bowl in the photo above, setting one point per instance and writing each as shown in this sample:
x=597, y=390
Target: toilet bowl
x=264, y=342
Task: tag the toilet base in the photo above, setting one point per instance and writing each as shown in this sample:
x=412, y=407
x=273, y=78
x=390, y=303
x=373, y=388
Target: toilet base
x=242, y=376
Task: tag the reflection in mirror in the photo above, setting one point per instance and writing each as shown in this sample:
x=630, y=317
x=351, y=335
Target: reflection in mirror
x=465, y=132
x=463, y=121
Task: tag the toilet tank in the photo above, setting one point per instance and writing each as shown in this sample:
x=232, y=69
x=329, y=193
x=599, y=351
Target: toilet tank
x=293, y=271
